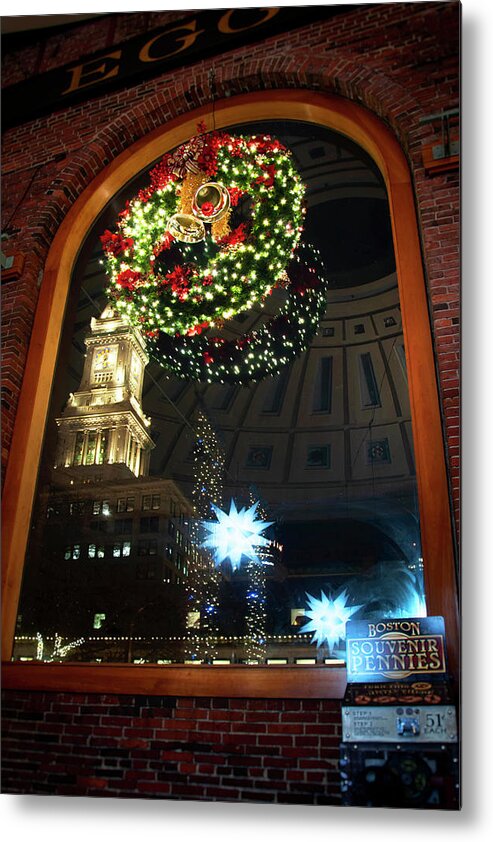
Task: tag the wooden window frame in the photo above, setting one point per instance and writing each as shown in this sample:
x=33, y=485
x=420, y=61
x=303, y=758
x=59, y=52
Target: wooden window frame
x=291, y=681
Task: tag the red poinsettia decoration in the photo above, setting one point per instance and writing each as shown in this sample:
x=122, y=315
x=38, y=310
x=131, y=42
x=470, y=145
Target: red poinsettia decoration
x=179, y=281
x=264, y=145
x=197, y=329
x=126, y=211
x=128, y=279
x=115, y=244
x=237, y=235
x=207, y=161
x=268, y=178
x=235, y=195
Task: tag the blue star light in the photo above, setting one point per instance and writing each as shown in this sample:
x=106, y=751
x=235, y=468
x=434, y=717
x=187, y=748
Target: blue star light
x=235, y=535
x=328, y=618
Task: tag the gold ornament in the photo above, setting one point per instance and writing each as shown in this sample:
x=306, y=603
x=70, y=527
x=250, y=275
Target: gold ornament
x=188, y=189
x=186, y=228
x=220, y=228
x=211, y=202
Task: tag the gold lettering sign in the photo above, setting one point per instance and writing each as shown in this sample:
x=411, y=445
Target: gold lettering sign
x=224, y=24
x=187, y=40
x=83, y=75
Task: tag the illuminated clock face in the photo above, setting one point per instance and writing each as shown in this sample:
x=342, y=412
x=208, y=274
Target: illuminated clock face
x=104, y=359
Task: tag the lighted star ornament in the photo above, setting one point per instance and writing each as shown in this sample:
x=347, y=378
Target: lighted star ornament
x=328, y=618
x=235, y=535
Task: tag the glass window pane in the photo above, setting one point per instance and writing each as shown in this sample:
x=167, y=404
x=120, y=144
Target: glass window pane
x=256, y=504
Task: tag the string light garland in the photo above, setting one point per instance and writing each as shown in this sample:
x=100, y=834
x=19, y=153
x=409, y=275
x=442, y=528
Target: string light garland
x=256, y=596
x=202, y=584
x=263, y=351
x=210, y=236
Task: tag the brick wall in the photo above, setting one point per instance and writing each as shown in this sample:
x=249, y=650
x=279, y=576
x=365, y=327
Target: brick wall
x=399, y=60
x=254, y=750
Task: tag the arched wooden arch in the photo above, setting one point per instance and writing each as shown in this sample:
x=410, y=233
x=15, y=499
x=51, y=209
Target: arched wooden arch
x=362, y=127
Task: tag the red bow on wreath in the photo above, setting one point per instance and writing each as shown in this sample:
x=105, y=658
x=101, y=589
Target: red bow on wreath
x=185, y=159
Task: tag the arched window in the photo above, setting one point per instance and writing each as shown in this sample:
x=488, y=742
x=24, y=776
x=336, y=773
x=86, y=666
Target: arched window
x=341, y=449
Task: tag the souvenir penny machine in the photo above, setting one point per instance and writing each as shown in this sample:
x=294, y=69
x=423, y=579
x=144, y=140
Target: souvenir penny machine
x=399, y=723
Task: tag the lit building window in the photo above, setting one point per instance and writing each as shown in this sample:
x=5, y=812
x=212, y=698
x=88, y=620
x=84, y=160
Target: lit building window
x=122, y=549
x=125, y=504
x=101, y=507
x=98, y=621
x=79, y=447
x=91, y=551
x=90, y=456
x=151, y=501
x=102, y=449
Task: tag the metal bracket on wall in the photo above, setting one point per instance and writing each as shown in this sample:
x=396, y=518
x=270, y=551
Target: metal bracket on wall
x=443, y=156
x=10, y=265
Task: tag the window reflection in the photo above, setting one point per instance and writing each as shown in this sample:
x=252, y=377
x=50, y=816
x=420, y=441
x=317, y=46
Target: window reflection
x=117, y=565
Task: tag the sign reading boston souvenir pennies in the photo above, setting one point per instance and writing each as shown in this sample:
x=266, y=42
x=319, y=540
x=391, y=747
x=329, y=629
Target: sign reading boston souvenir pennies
x=395, y=649
x=397, y=683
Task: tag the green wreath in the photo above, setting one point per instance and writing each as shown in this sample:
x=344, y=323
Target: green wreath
x=210, y=236
x=260, y=352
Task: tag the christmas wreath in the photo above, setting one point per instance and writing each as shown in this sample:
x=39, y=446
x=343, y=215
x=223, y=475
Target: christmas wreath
x=262, y=351
x=209, y=237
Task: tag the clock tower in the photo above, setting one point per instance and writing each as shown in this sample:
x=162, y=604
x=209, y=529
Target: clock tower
x=103, y=422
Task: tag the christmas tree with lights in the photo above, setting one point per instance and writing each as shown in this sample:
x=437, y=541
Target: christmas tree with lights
x=203, y=579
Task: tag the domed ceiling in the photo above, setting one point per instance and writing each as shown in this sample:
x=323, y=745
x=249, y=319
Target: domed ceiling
x=332, y=432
